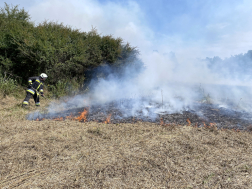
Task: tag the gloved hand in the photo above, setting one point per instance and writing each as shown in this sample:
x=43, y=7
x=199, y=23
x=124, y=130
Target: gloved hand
x=42, y=95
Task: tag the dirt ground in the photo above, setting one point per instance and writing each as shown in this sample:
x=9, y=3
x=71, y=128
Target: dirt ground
x=73, y=154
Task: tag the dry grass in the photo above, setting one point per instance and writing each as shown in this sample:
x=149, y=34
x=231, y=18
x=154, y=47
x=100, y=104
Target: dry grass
x=71, y=154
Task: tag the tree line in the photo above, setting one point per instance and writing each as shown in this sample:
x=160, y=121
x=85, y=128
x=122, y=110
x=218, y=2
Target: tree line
x=63, y=53
x=235, y=67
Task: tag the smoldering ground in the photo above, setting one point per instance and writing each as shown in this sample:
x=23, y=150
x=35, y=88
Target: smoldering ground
x=166, y=86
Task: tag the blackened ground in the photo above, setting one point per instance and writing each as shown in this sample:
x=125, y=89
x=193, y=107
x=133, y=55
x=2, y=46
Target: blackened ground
x=122, y=112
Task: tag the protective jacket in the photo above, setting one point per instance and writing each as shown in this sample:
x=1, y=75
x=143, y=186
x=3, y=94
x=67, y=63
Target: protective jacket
x=35, y=85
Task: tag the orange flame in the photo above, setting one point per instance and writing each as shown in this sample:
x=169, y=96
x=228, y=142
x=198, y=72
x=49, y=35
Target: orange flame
x=70, y=117
x=189, y=122
x=161, y=121
x=108, y=119
x=212, y=124
x=83, y=116
x=58, y=119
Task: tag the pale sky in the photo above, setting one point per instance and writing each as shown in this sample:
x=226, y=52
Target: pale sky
x=195, y=28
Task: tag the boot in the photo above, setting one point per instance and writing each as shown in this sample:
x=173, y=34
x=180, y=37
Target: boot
x=24, y=105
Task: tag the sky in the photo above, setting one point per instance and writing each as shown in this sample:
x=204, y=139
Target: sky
x=187, y=28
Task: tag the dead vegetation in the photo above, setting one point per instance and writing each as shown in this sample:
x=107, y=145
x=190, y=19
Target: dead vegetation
x=73, y=154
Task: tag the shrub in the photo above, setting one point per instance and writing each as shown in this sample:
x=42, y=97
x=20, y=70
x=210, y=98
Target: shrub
x=8, y=86
x=57, y=50
x=63, y=88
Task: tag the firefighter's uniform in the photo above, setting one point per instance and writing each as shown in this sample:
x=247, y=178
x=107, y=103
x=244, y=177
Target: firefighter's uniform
x=35, y=87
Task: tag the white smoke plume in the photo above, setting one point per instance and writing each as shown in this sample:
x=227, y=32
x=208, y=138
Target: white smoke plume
x=177, y=74
x=168, y=85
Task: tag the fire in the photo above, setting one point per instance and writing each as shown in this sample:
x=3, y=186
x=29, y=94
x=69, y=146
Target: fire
x=108, y=119
x=161, y=121
x=189, y=122
x=83, y=116
x=71, y=117
x=39, y=119
x=59, y=119
x=212, y=124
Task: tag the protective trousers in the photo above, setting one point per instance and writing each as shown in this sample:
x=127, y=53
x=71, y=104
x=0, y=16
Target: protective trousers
x=35, y=97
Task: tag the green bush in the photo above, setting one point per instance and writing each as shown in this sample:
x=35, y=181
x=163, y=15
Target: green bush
x=61, y=52
x=63, y=88
x=8, y=86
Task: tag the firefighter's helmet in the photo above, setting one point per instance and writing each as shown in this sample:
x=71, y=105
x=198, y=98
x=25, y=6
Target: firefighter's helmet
x=43, y=76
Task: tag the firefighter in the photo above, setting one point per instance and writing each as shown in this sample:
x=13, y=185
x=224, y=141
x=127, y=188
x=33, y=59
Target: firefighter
x=35, y=87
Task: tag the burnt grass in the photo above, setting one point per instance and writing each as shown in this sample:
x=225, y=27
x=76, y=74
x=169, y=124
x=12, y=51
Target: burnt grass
x=132, y=155
x=200, y=115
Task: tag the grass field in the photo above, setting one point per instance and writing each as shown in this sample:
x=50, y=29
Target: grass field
x=73, y=154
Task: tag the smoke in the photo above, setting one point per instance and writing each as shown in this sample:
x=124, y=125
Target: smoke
x=167, y=85
x=177, y=72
